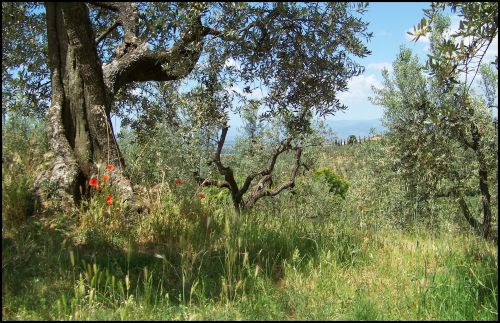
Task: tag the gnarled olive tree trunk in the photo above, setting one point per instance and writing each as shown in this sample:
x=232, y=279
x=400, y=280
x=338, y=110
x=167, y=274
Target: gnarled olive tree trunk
x=78, y=119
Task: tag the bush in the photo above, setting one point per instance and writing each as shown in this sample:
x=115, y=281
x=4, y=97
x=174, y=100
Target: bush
x=23, y=144
x=337, y=184
x=17, y=199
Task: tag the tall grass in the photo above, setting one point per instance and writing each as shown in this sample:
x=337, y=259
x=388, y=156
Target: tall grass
x=301, y=255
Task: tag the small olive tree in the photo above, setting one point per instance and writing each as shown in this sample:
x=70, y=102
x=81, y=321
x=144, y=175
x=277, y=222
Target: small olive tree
x=439, y=134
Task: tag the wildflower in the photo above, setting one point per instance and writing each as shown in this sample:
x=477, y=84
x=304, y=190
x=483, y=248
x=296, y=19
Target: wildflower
x=105, y=178
x=179, y=181
x=93, y=181
x=110, y=167
x=99, y=188
x=109, y=199
x=202, y=196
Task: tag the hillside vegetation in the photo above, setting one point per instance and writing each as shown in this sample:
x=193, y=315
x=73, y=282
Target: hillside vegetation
x=126, y=196
x=305, y=254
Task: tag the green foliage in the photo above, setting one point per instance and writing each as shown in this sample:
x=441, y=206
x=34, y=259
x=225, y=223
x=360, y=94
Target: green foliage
x=25, y=74
x=17, y=199
x=428, y=136
x=465, y=49
x=329, y=248
x=195, y=259
x=352, y=140
x=336, y=184
x=23, y=146
x=165, y=155
x=489, y=83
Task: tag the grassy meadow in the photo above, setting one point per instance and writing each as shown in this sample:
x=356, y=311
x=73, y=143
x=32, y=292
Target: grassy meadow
x=302, y=255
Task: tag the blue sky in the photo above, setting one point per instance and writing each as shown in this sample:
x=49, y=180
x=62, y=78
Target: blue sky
x=389, y=22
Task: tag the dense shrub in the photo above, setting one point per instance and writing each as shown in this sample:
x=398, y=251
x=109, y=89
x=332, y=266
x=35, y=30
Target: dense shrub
x=23, y=146
x=337, y=184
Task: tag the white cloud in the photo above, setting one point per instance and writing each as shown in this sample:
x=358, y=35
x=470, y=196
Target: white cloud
x=356, y=99
x=380, y=66
x=360, y=87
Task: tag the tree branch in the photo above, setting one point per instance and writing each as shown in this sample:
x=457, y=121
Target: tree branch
x=136, y=63
x=105, y=33
x=226, y=171
x=141, y=65
x=220, y=144
x=210, y=182
x=259, y=191
x=106, y=5
x=479, y=64
x=284, y=146
x=129, y=16
x=468, y=216
x=291, y=181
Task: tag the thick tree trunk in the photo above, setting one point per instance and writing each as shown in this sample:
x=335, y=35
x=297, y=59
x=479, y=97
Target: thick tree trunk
x=79, y=124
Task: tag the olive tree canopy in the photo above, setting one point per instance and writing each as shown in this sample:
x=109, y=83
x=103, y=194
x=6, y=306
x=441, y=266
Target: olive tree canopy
x=95, y=54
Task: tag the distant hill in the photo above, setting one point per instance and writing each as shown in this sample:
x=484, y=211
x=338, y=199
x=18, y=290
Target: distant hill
x=342, y=128
x=359, y=128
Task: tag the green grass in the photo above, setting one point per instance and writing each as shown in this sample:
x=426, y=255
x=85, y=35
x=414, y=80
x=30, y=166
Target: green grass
x=259, y=268
x=196, y=260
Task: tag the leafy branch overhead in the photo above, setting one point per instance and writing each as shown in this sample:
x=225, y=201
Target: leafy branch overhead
x=465, y=49
x=303, y=52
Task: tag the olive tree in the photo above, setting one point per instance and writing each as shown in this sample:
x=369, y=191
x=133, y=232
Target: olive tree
x=441, y=132
x=98, y=53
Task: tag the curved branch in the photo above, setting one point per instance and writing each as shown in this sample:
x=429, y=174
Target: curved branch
x=259, y=191
x=141, y=64
x=210, y=182
x=223, y=170
x=284, y=146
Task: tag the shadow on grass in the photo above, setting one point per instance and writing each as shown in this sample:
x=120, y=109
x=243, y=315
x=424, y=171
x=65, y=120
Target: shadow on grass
x=37, y=266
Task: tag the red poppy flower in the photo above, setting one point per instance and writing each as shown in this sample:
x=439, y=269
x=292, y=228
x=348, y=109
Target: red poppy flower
x=110, y=167
x=179, y=181
x=109, y=199
x=93, y=181
x=105, y=178
x=202, y=196
x=99, y=188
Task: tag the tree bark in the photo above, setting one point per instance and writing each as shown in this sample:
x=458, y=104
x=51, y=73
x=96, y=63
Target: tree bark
x=81, y=135
x=79, y=123
x=483, y=180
